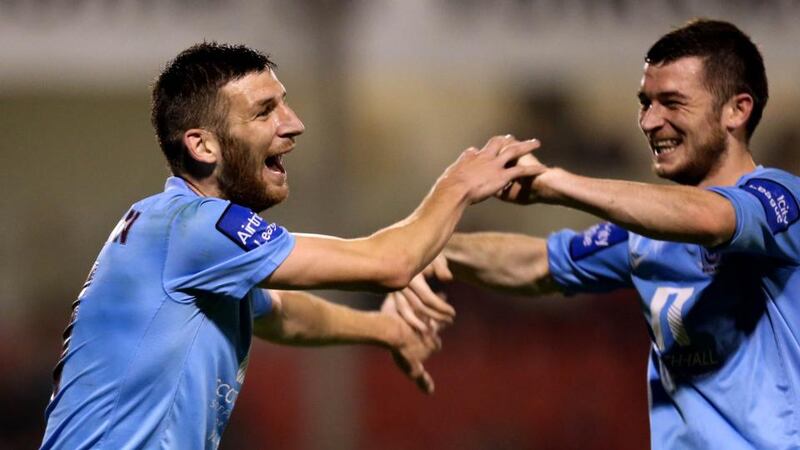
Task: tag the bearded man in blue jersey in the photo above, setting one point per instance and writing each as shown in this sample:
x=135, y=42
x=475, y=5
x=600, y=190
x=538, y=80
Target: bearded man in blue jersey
x=158, y=344
x=714, y=258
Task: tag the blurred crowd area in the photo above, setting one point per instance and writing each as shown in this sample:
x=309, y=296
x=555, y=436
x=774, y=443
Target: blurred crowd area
x=390, y=93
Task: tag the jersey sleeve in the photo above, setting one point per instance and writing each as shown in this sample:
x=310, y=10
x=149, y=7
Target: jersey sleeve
x=766, y=215
x=217, y=247
x=261, y=303
x=595, y=260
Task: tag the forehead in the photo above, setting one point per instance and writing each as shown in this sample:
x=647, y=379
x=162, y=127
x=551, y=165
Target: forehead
x=684, y=75
x=253, y=89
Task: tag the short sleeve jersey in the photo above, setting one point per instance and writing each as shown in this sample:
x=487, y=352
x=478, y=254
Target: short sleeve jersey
x=157, y=348
x=724, y=369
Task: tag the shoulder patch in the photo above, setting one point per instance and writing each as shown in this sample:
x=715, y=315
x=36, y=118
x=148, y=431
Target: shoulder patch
x=246, y=228
x=596, y=238
x=780, y=205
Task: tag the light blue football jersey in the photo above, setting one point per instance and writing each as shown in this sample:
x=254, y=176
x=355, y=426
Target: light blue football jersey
x=724, y=368
x=157, y=347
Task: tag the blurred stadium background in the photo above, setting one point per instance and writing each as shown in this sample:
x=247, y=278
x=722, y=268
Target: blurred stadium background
x=390, y=92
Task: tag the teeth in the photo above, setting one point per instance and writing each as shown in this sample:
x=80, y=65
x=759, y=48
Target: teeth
x=664, y=145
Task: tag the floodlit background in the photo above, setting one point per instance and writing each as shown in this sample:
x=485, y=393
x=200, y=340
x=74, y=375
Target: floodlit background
x=390, y=92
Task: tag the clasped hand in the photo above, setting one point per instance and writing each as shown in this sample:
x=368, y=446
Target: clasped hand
x=422, y=314
x=522, y=190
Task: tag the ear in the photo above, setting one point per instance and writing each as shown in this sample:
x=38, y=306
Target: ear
x=737, y=111
x=202, y=145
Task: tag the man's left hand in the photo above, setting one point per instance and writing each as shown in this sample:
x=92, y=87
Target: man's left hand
x=522, y=190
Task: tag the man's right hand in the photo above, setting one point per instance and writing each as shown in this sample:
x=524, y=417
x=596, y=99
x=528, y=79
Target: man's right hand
x=487, y=171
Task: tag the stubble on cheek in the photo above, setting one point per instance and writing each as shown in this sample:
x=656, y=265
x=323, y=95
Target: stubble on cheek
x=240, y=177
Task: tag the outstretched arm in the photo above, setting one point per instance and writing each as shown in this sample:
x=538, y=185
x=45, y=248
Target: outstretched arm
x=664, y=212
x=508, y=262
x=389, y=258
x=672, y=213
x=303, y=319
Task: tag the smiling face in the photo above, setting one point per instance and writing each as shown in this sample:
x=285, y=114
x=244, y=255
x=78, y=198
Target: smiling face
x=681, y=121
x=261, y=128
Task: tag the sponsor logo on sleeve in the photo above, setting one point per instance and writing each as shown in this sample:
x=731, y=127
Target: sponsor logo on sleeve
x=780, y=206
x=246, y=228
x=596, y=238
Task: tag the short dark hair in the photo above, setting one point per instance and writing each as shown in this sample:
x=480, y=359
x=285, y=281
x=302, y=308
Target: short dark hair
x=731, y=61
x=186, y=94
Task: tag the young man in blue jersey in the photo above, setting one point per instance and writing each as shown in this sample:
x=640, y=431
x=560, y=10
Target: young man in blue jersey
x=714, y=258
x=157, y=348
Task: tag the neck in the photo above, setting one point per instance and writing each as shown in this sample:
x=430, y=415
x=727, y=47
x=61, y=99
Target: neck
x=202, y=187
x=735, y=162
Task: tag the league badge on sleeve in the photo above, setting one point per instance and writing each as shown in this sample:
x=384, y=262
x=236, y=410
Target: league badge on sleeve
x=246, y=228
x=596, y=238
x=780, y=206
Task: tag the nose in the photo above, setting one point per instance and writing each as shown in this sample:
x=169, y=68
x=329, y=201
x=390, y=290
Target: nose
x=651, y=118
x=290, y=125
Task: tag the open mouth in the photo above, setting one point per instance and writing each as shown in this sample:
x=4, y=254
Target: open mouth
x=664, y=146
x=275, y=163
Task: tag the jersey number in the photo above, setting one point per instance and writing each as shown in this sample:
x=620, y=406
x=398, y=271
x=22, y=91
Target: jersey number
x=120, y=232
x=675, y=298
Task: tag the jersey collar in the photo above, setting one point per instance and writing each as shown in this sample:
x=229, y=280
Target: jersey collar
x=178, y=184
x=742, y=178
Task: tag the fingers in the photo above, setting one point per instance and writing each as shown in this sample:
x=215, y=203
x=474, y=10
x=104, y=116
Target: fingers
x=436, y=327
x=440, y=269
x=417, y=371
x=424, y=381
x=432, y=340
x=520, y=169
x=389, y=305
x=484, y=172
x=420, y=307
x=517, y=172
x=407, y=313
x=528, y=160
x=515, y=150
x=495, y=144
x=414, y=369
x=519, y=191
x=507, y=194
x=511, y=192
x=420, y=294
x=515, y=155
x=425, y=310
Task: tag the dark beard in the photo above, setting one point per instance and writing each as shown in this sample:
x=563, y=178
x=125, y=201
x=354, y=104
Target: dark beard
x=239, y=176
x=708, y=155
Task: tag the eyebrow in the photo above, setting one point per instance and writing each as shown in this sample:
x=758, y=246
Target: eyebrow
x=269, y=101
x=665, y=95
